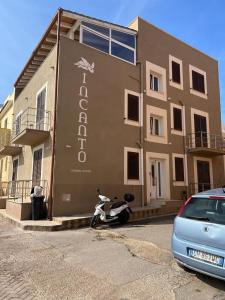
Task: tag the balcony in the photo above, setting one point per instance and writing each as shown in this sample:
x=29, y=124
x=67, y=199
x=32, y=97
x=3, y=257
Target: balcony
x=31, y=127
x=204, y=143
x=6, y=148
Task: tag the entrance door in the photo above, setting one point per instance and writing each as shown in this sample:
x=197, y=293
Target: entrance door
x=14, y=175
x=40, y=116
x=155, y=179
x=203, y=170
x=201, y=139
x=37, y=165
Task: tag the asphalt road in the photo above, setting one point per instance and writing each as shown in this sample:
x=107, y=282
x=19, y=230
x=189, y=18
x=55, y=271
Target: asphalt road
x=131, y=262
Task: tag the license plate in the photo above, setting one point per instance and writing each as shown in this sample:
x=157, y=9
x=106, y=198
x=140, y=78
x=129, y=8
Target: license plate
x=207, y=257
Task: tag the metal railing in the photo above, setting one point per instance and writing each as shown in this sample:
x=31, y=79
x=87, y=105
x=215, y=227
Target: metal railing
x=205, y=140
x=196, y=187
x=31, y=118
x=21, y=189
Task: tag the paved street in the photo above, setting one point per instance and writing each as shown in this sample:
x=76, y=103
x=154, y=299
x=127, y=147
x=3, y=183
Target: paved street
x=132, y=262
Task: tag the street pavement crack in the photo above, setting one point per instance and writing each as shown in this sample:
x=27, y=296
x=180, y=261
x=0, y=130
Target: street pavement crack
x=139, y=248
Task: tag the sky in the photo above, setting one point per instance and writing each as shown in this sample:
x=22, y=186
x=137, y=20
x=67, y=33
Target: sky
x=200, y=23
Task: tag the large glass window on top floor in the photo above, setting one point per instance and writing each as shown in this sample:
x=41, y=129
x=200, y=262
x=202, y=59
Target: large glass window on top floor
x=111, y=41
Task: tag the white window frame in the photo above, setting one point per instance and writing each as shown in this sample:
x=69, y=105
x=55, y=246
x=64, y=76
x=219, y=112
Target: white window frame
x=133, y=181
x=180, y=183
x=192, y=91
x=159, y=72
x=182, y=108
x=140, y=108
x=162, y=115
x=171, y=82
x=41, y=146
x=110, y=40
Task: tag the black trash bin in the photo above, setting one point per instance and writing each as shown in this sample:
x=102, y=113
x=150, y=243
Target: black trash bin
x=37, y=207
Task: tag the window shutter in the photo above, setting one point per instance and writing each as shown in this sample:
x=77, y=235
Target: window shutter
x=198, y=83
x=179, y=169
x=133, y=165
x=175, y=72
x=133, y=107
x=177, y=119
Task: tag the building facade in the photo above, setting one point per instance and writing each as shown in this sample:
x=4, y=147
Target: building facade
x=6, y=120
x=123, y=109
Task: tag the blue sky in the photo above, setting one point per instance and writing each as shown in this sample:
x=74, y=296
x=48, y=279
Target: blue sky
x=199, y=23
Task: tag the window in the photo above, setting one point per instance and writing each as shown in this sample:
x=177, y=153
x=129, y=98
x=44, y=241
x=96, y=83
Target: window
x=177, y=119
x=156, y=81
x=198, y=82
x=156, y=124
x=132, y=114
x=133, y=107
x=18, y=123
x=132, y=166
x=95, y=41
x=114, y=42
x=179, y=169
x=175, y=72
x=122, y=52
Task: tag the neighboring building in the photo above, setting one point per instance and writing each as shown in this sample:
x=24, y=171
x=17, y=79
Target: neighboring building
x=137, y=111
x=6, y=120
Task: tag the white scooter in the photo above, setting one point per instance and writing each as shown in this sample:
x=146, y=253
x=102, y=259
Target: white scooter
x=119, y=211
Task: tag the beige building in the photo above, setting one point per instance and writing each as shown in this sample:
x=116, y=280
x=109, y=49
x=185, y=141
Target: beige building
x=6, y=121
x=125, y=109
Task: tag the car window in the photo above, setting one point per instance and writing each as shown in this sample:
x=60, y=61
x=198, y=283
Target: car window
x=208, y=209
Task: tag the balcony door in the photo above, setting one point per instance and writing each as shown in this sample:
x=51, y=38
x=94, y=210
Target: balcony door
x=40, y=115
x=37, y=166
x=201, y=139
x=14, y=190
x=203, y=173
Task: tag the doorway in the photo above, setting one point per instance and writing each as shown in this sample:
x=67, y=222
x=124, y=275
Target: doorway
x=200, y=127
x=203, y=172
x=14, y=175
x=155, y=178
x=37, y=166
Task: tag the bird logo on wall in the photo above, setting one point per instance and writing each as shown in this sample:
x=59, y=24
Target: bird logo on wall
x=84, y=64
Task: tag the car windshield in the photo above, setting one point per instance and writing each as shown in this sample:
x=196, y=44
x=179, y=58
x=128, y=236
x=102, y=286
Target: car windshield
x=206, y=209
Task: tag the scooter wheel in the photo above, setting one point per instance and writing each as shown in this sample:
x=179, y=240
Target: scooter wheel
x=94, y=221
x=123, y=217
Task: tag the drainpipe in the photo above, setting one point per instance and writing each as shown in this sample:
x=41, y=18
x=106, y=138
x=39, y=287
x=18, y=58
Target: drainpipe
x=141, y=132
x=50, y=199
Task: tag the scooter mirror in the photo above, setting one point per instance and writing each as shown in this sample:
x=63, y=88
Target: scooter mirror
x=98, y=190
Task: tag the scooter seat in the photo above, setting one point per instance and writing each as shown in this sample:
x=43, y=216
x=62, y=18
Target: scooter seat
x=118, y=204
